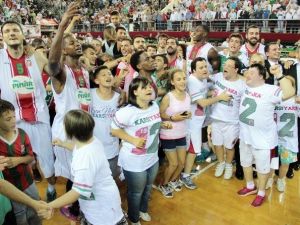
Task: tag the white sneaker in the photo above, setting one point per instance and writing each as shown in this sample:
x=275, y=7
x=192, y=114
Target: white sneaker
x=269, y=183
x=220, y=169
x=145, y=216
x=175, y=185
x=281, y=185
x=228, y=171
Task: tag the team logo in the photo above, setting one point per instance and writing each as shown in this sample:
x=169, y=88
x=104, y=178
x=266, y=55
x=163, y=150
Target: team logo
x=83, y=96
x=22, y=85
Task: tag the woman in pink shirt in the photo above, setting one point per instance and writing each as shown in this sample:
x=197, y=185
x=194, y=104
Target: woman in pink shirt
x=176, y=108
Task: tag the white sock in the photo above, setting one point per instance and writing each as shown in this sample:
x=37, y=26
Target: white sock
x=250, y=185
x=228, y=165
x=261, y=193
x=221, y=163
x=51, y=188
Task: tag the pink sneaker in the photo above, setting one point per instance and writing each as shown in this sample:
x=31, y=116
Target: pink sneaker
x=258, y=201
x=245, y=191
x=66, y=213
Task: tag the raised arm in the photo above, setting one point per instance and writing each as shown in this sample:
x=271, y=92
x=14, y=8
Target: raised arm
x=55, y=66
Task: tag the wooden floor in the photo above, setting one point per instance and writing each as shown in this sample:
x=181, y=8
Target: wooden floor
x=215, y=202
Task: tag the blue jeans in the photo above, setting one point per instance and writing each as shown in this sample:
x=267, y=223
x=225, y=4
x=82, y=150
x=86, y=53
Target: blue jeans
x=139, y=185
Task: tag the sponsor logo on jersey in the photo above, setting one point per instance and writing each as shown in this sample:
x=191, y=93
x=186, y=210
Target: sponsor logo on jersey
x=22, y=85
x=83, y=96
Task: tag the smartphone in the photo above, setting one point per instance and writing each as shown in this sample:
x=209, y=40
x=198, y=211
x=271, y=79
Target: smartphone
x=185, y=113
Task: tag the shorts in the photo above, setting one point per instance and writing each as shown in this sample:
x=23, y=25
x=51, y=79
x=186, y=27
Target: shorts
x=224, y=134
x=113, y=165
x=24, y=214
x=173, y=144
x=250, y=155
x=286, y=156
x=40, y=138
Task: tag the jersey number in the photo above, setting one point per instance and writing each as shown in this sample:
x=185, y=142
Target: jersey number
x=286, y=131
x=251, y=109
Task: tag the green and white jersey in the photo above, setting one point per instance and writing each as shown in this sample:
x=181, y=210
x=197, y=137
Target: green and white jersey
x=142, y=123
x=242, y=57
x=286, y=114
x=227, y=111
x=257, y=125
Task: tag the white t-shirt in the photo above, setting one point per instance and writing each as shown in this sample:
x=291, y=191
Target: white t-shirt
x=103, y=111
x=227, y=111
x=197, y=89
x=143, y=123
x=99, y=195
x=257, y=125
x=286, y=115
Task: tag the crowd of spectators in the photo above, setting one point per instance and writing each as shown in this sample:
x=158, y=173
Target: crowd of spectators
x=146, y=14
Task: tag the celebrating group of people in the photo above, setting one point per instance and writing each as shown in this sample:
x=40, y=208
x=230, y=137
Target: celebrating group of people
x=119, y=103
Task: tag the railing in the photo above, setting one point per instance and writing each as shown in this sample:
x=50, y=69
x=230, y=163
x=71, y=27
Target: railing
x=240, y=25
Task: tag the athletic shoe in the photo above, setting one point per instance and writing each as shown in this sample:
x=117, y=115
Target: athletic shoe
x=269, y=183
x=211, y=158
x=281, y=185
x=37, y=176
x=188, y=182
x=51, y=196
x=195, y=170
x=65, y=211
x=258, y=201
x=165, y=190
x=203, y=156
x=175, y=185
x=228, y=172
x=145, y=216
x=220, y=169
x=290, y=173
x=245, y=191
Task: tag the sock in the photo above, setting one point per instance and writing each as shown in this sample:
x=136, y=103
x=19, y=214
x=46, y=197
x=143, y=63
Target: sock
x=261, y=193
x=228, y=165
x=51, y=188
x=250, y=185
x=221, y=163
x=184, y=175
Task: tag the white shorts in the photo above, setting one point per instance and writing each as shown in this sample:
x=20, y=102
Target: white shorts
x=63, y=157
x=194, y=137
x=40, y=138
x=224, y=134
x=250, y=155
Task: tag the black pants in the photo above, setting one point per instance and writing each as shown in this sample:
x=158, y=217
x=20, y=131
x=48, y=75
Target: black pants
x=10, y=218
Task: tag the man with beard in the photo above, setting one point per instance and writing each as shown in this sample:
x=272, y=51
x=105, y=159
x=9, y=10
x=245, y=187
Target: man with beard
x=139, y=43
x=201, y=48
x=161, y=43
x=124, y=72
x=252, y=44
x=71, y=90
x=28, y=96
x=173, y=60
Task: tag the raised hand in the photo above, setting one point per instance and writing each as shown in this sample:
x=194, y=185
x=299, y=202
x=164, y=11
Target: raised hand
x=72, y=11
x=276, y=70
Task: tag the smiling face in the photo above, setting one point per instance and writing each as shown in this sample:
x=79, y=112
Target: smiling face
x=12, y=34
x=253, y=36
x=230, y=72
x=178, y=81
x=90, y=54
x=104, y=78
x=273, y=52
x=253, y=78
